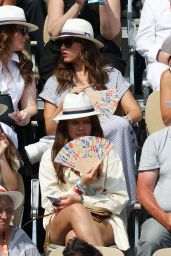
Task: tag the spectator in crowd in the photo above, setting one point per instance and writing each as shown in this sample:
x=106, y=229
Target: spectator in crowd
x=165, y=85
x=35, y=11
x=80, y=68
x=155, y=26
x=103, y=186
x=9, y=158
x=105, y=20
x=77, y=247
x=153, y=188
x=16, y=76
x=14, y=241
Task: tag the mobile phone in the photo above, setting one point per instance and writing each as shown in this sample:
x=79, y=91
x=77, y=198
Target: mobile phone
x=54, y=199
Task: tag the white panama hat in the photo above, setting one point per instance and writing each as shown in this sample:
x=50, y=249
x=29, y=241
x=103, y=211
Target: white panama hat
x=78, y=28
x=10, y=133
x=76, y=106
x=16, y=196
x=10, y=14
x=3, y=108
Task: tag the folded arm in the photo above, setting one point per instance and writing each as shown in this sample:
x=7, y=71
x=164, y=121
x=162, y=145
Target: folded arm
x=145, y=188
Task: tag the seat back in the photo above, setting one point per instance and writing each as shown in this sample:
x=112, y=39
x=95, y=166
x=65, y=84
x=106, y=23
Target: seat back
x=17, y=220
x=46, y=35
x=163, y=252
x=153, y=117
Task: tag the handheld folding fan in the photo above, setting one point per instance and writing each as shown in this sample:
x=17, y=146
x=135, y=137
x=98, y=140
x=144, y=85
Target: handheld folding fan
x=105, y=102
x=83, y=153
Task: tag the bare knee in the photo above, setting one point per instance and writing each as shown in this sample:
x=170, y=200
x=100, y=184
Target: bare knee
x=77, y=211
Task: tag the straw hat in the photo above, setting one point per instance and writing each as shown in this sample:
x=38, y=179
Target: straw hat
x=16, y=196
x=78, y=28
x=76, y=106
x=10, y=133
x=10, y=14
x=3, y=108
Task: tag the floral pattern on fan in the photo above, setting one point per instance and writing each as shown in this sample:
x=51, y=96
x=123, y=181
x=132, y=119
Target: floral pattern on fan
x=105, y=102
x=84, y=152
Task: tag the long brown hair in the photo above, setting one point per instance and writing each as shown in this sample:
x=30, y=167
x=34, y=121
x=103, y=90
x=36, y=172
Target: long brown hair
x=90, y=56
x=11, y=153
x=7, y=33
x=62, y=137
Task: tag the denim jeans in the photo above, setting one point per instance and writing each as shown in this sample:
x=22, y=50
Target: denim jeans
x=153, y=237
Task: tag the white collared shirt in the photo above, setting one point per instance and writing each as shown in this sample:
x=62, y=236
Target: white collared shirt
x=12, y=83
x=155, y=26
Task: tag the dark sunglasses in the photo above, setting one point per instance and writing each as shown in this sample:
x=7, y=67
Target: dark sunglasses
x=68, y=42
x=23, y=31
x=9, y=211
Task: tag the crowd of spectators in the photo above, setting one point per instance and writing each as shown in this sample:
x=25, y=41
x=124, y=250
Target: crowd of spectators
x=84, y=56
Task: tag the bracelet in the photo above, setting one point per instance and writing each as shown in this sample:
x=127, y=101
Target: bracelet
x=81, y=199
x=25, y=110
x=81, y=186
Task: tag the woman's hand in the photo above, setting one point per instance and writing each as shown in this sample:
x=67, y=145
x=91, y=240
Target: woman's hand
x=21, y=118
x=80, y=3
x=65, y=201
x=90, y=176
x=24, y=118
x=4, y=143
x=79, y=89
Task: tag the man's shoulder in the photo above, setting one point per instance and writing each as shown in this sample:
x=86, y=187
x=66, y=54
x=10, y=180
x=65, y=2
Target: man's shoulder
x=160, y=134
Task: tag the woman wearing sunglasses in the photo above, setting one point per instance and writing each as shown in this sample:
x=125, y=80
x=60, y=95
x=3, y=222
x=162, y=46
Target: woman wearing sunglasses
x=80, y=67
x=104, y=16
x=16, y=76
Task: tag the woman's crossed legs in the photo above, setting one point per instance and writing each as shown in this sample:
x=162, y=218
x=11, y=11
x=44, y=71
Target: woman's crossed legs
x=75, y=220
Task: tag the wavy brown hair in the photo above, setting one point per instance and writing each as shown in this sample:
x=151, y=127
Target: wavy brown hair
x=7, y=33
x=11, y=153
x=90, y=56
x=62, y=137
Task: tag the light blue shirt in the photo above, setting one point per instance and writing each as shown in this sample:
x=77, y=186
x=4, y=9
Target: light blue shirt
x=156, y=155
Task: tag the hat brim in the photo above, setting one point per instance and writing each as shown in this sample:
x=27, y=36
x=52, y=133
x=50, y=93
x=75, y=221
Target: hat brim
x=3, y=108
x=61, y=117
x=92, y=39
x=31, y=27
x=16, y=196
